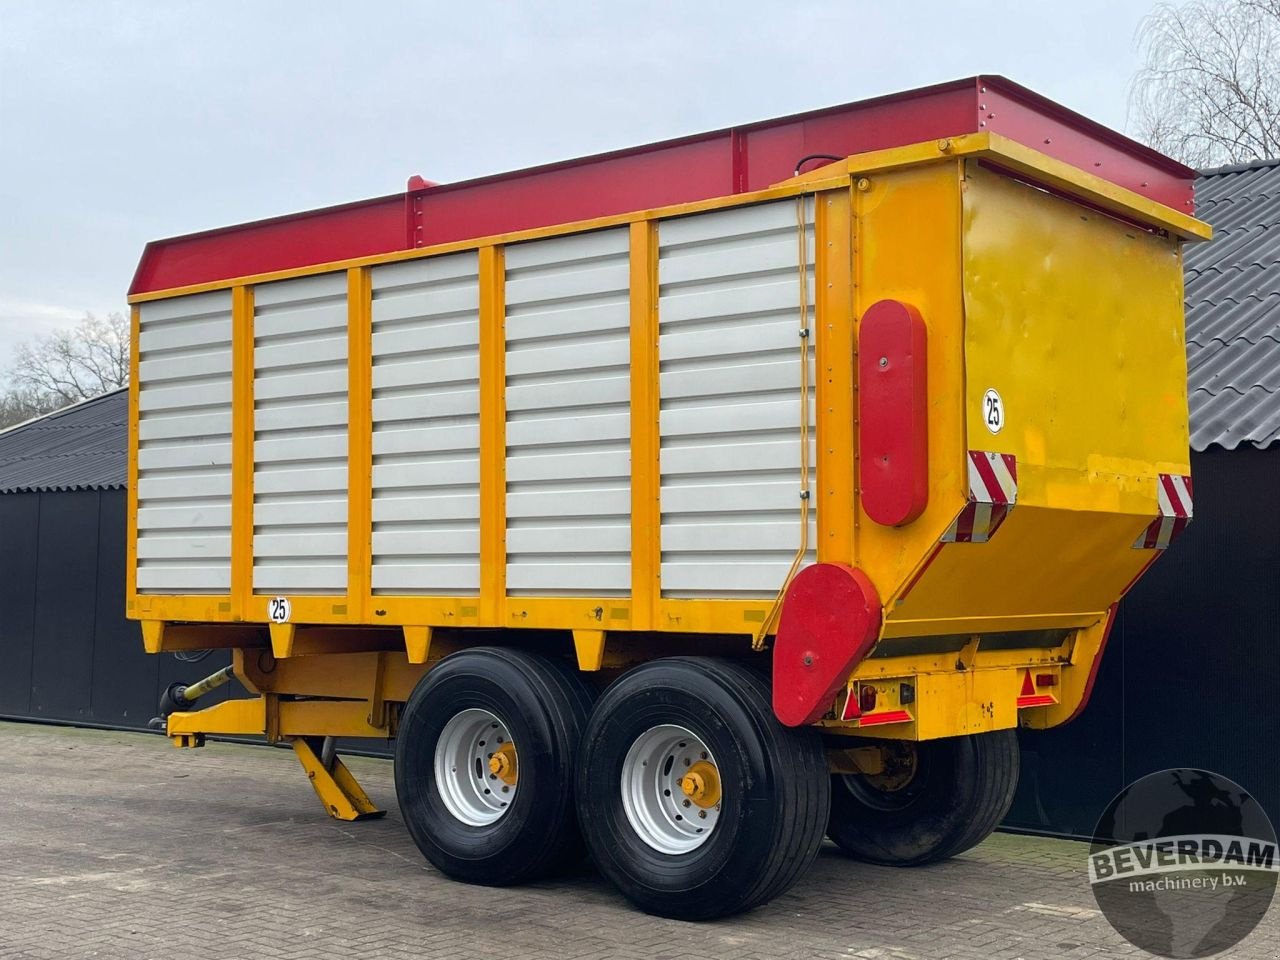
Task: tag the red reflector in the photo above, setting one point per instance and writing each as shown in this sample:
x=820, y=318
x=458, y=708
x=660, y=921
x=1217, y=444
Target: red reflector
x=866, y=699
x=893, y=413
x=1046, y=680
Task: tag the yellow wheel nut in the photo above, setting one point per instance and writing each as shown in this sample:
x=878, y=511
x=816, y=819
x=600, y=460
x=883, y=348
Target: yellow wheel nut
x=503, y=763
x=702, y=784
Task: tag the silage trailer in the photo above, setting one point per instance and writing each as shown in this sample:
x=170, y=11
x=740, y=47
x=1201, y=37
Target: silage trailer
x=684, y=504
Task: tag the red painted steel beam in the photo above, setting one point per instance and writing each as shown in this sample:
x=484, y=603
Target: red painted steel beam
x=676, y=171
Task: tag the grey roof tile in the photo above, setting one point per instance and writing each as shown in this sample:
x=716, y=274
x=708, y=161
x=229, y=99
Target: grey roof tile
x=82, y=447
x=1233, y=309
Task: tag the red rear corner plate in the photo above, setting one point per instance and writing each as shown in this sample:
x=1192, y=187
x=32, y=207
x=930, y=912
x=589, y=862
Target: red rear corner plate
x=830, y=620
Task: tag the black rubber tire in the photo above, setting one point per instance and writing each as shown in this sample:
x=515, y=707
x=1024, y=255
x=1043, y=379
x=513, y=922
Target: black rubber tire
x=545, y=705
x=962, y=789
x=776, y=790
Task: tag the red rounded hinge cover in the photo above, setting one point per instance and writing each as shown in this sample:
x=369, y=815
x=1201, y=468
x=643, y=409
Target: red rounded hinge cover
x=830, y=620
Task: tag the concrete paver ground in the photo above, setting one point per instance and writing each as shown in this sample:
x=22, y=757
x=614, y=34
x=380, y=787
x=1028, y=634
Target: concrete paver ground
x=116, y=845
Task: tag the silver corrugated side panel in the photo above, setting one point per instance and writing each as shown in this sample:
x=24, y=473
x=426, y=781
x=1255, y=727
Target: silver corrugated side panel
x=729, y=355
x=568, y=416
x=426, y=426
x=300, y=436
x=184, y=445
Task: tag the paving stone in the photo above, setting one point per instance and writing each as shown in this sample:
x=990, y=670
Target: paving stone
x=117, y=846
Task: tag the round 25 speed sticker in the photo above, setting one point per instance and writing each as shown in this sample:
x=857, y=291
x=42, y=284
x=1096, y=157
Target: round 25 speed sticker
x=993, y=410
x=1183, y=863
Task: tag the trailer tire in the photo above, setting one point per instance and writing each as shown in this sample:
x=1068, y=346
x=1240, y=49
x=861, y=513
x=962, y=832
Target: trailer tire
x=466, y=830
x=771, y=782
x=960, y=791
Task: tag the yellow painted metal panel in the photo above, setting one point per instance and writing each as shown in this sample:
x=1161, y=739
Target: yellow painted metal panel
x=834, y=354
x=569, y=613
x=1075, y=319
x=713, y=616
x=320, y=718
x=907, y=225
x=246, y=716
x=493, y=435
x=428, y=611
x=359, y=442
x=1040, y=564
x=242, y=452
x=646, y=519
x=975, y=701
x=327, y=718
x=198, y=608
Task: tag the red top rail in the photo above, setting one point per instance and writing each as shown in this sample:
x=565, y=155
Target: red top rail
x=698, y=167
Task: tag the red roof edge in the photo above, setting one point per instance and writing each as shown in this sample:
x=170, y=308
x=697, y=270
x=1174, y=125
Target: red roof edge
x=720, y=162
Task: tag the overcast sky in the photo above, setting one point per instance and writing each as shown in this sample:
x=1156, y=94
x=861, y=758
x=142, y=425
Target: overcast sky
x=122, y=122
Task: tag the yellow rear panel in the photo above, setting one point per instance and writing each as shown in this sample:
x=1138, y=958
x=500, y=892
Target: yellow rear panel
x=1075, y=319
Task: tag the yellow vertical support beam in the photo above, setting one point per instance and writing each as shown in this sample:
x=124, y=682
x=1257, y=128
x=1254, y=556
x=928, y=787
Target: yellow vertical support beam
x=646, y=517
x=131, y=568
x=589, y=645
x=834, y=348
x=242, y=455
x=359, y=443
x=493, y=437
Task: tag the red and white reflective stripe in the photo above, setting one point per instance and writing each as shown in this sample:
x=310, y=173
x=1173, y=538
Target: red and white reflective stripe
x=993, y=490
x=1173, y=492
x=993, y=477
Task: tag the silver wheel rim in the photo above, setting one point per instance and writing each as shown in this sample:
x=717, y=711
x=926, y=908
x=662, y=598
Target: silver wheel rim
x=470, y=787
x=658, y=807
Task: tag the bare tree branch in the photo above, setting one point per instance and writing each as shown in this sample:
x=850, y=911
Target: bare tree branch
x=17, y=406
x=1209, y=89
x=65, y=367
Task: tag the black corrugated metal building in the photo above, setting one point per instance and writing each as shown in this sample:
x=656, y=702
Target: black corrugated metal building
x=66, y=651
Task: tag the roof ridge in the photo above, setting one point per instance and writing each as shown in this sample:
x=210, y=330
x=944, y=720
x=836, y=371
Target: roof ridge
x=1240, y=167
x=62, y=411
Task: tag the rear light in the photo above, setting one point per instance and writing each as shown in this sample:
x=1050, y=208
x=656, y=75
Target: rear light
x=866, y=699
x=1046, y=679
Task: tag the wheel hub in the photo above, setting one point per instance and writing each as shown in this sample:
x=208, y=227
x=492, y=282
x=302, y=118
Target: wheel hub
x=702, y=784
x=898, y=767
x=502, y=763
x=671, y=789
x=476, y=766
